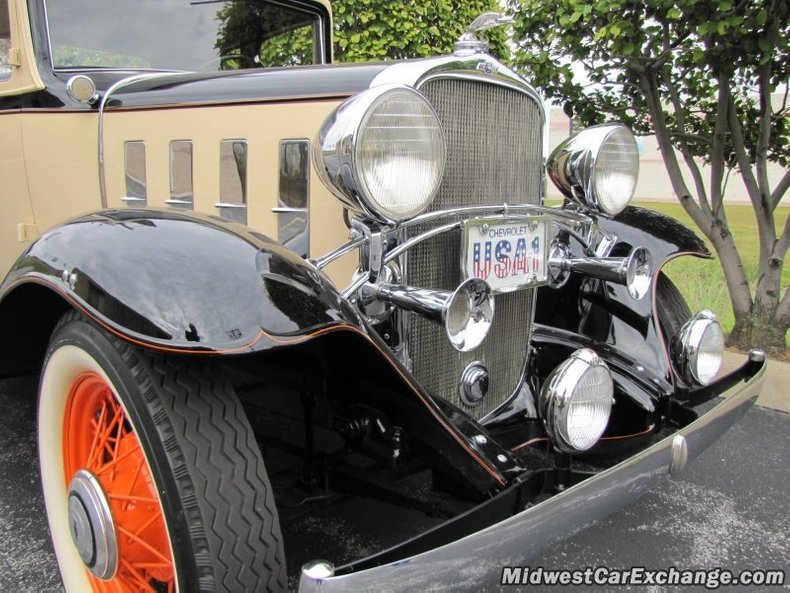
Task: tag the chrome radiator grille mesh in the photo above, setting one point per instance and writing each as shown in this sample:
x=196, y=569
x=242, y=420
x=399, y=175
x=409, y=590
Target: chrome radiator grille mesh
x=494, y=156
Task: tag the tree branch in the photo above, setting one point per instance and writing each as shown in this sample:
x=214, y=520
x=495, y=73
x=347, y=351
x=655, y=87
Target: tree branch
x=742, y=157
x=764, y=134
x=688, y=157
x=649, y=87
x=780, y=190
x=782, y=243
x=696, y=137
x=717, y=149
x=737, y=8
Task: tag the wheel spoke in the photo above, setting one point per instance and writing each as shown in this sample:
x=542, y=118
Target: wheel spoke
x=104, y=437
x=144, y=565
x=137, y=475
x=128, y=497
x=147, y=524
x=93, y=451
x=143, y=543
x=102, y=452
x=111, y=464
x=118, y=433
x=142, y=584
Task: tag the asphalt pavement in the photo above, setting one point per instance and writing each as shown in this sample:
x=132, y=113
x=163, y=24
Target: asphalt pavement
x=729, y=509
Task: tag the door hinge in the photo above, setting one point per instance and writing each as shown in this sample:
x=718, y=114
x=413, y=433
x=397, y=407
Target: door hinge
x=26, y=232
x=14, y=57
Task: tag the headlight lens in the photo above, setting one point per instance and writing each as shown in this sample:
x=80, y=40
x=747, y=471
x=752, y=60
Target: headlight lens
x=616, y=170
x=698, y=347
x=383, y=153
x=576, y=401
x=597, y=168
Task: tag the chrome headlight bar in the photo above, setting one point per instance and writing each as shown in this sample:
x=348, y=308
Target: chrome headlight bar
x=634, y=271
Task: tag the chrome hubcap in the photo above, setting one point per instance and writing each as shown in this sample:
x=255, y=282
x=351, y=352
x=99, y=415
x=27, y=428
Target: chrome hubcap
x=91, y=525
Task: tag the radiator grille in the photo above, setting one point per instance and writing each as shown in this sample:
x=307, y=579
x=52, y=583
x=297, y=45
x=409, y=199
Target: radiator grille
x=494, y=156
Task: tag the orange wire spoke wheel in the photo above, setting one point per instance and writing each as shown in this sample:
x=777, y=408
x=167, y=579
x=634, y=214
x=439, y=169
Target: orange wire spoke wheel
x=115, y=516
x=152, y=479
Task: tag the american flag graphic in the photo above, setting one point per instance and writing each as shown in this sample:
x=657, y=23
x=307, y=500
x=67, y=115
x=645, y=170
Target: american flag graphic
x=482, y=264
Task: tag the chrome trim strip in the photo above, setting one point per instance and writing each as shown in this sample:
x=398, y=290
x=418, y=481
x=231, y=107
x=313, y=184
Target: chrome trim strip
x=406, y=245
x=354, y=243
x=358, y=283
x=504, y=209
x=580, y=226
x=482, y=67
x=283, y=210
x=524, y=536
x=102, y=106
x=229, y=205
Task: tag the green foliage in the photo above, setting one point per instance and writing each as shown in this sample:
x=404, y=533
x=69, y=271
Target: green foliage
x=64, y=56
x=368, y=30
x=685, y=46
x=701, y=75
x=364, y=30
x=289, y=48
x=255, y=33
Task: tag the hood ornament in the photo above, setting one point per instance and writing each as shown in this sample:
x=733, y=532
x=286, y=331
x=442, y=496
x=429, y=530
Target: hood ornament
x=468, y=43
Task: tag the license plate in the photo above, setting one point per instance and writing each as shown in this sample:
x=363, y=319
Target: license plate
x=508, y=253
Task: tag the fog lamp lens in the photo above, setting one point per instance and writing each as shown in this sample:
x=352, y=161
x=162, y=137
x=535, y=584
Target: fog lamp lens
x=576, y=401
x=698, y=347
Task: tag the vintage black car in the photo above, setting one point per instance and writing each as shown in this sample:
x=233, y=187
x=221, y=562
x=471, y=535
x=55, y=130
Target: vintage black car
x=311, y=325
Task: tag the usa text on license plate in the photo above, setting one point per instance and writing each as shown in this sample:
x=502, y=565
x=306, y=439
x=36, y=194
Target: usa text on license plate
x=508, y=253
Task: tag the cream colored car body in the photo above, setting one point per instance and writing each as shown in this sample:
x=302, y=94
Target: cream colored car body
x=50, y=167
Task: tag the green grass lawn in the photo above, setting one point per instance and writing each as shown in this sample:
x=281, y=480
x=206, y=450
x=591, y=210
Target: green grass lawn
x=702, y=281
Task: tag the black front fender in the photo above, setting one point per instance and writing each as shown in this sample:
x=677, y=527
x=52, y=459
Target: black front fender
x=176, y=282
x=604, y=315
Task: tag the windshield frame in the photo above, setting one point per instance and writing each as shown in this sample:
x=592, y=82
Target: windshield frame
x=42, y=39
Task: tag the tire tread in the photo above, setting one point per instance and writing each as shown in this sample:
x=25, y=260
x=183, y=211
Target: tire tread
x=224, y=491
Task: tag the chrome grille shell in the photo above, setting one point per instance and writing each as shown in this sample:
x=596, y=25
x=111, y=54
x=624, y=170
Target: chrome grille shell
x=494, y=126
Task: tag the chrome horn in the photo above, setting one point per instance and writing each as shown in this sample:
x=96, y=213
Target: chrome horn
x=634, y=271
x=466, y=313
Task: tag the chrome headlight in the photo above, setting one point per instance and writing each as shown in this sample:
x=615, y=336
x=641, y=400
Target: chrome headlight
x=576, y=401
x=382, y=152
x=697, y=348
x=597, y=168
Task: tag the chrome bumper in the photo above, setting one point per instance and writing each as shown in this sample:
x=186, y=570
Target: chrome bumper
x=476, y=561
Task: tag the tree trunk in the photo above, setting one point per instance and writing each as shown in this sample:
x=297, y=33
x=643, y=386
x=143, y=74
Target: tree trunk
x=759, y=329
